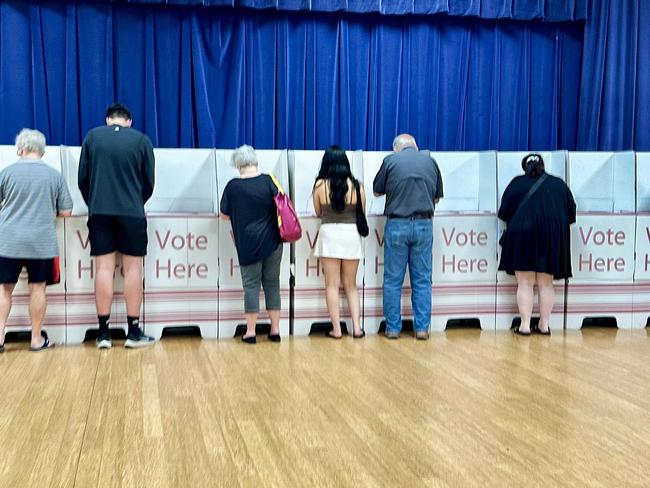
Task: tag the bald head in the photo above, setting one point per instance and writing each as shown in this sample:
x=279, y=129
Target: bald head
x=402, y=141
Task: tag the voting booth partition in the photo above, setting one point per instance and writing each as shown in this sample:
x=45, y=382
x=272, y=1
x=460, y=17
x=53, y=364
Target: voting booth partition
x=182, y=262
x=309, y=304
x=641, y=301
x=81, y=314
x=231, y=294
x=509, y=166
x=373, y=309
x=465, y=240
x=55, y=317
x=603, y=238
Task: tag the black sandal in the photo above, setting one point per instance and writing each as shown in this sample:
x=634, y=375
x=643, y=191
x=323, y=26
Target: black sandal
x=518, y=332
x=363, y=334
x=249, y=340
x=275, y=338
x=2, y=348
x=332, y=336
x=538, y=331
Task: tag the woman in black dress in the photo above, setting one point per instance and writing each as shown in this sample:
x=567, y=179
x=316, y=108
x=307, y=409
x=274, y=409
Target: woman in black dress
x=536, y=245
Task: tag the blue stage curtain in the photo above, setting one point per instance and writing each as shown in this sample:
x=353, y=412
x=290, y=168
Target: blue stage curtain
x=544, y=10
x=615, y=91
x=222, y=77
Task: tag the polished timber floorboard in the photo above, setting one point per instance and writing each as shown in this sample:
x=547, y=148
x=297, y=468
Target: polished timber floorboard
x=464, y=409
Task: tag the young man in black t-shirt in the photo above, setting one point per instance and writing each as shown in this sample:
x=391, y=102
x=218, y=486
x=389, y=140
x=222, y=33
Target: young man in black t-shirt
x=116, y=178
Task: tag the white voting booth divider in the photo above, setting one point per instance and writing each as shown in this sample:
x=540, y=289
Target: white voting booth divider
x=309, y=304
x=641, y=302
x=231, y=294
x=465, y=240
x=509, y=166
x=373, y=309
x=54, y=322
x=182, y=262
x=603, y=238
x=81, y=314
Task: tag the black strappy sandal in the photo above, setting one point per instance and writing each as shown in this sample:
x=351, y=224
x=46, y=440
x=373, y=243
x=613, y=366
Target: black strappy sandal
x=536, y=330
x=363, y=334
x=519, y=332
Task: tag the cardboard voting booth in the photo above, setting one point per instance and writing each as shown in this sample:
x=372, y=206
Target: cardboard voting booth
x=465, y=240
x=54, y=322
x=373, y=308
x=603, y=239
x=81, y=313
x=508, y=167
x=309, y=304
x=182, y=262
x=641, y=302
x=231, y=294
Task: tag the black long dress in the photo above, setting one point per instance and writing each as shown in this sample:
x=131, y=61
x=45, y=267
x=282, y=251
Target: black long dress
x=538, y=237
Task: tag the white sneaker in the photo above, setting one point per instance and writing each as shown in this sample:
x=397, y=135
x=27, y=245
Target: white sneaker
x=104, y=341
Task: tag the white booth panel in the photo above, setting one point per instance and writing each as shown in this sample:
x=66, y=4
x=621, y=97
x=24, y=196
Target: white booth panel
x=181, y=274
x=642, y=248
x=186, y=182
x=70, y=161
x=52, y=156
x=371, y=163
x=603, y=238
x=469, y=181
x=309, y=288
x=231, y=295
x=508, y=167
x=81, y=314
x=603, y=181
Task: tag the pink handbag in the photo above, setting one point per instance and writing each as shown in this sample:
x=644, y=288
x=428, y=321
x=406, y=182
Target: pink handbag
x=288, y=223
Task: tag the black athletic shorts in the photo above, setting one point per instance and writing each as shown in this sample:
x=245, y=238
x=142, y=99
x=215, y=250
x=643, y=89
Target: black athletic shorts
x=38, y=270
x=109, y=233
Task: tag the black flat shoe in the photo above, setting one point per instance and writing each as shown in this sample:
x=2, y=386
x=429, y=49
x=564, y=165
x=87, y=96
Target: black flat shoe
x=275, y=338
x=536, y=330
x=249, y=340
x=2, y=348
x=363, y=334
x=519, y=332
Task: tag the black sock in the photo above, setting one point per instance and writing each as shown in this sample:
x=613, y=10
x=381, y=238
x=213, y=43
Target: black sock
x=134, y=325
x=104, y=321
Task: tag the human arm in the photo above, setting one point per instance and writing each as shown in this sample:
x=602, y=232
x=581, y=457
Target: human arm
x=440, y=192
x=148, y=169
x=63, y=199
x=83, y=174
x=379, y=183
x=571, y=206
x=224, y=206
x=318, y=189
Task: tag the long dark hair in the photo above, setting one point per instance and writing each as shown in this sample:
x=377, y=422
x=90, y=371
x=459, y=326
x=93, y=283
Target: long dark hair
x=335, y=169
x=533, y=165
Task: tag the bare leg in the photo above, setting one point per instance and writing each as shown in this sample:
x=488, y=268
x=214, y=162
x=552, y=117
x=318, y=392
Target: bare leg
x=105, y=269
x=349, y=269
x=525, y=297
x=132, y=266
x=332, y=269
x=37, y=307
x=274, y=315
x=546, y=299
x=251, y=323
x=6, y=289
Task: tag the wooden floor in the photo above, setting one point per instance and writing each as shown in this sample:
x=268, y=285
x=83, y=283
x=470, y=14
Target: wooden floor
x=463, y=409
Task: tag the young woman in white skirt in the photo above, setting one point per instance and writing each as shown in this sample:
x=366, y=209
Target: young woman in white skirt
x=339, y=243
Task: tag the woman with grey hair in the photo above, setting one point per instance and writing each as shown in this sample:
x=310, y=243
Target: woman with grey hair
x=31, y=196
x=248, y=203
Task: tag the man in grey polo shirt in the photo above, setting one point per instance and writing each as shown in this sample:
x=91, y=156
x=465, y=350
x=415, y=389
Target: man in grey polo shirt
x=412, y=184
x=31, y=196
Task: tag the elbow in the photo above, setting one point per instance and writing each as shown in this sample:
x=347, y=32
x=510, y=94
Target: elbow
x=64, y=213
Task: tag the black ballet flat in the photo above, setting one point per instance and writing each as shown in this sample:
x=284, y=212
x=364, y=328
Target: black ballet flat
x=249, y=340
x=275, y=338
x=536, y=330
x=519, y=332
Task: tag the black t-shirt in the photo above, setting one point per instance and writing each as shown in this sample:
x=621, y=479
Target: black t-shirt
x=249, y=204
x=116, y=171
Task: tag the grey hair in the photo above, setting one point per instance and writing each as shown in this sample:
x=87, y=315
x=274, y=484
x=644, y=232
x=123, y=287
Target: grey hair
x=244, y=156
x=31, y=141
x=404, y=140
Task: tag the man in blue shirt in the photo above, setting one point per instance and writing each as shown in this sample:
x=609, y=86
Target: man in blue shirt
x=412, y=184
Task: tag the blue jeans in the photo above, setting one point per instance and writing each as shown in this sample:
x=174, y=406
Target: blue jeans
x=408, y=241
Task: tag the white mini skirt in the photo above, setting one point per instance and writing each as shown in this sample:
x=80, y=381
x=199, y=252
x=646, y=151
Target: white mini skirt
x=340, y=241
